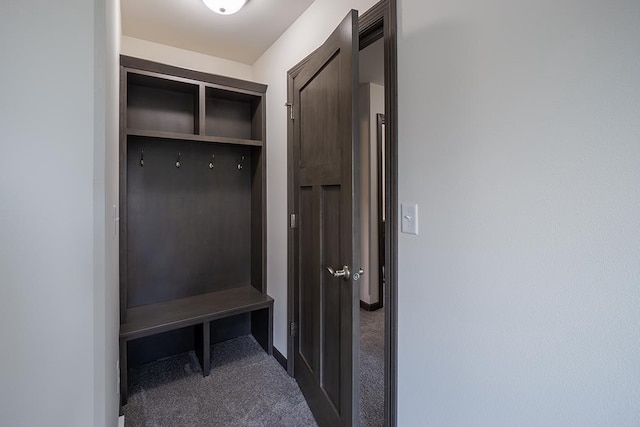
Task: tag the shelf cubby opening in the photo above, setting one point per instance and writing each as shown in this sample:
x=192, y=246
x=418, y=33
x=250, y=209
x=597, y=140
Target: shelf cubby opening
x=232, y=114
x=182, y=340
x=159, y=104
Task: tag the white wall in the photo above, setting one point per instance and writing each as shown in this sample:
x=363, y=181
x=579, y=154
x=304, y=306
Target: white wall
x=47, y=119
x=184, y=58
x=106, y=275
x=371, y=104
x=305, y=35
x=519, y=302
x=112, y=157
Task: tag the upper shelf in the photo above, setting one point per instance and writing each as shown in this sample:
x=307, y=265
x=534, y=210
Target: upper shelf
x=180, y=106
x=192, y=137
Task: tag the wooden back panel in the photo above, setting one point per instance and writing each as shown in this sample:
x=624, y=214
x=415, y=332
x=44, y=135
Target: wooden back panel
x=189, y=228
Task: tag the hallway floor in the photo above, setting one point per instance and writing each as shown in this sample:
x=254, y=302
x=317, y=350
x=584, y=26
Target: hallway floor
x=372, y=368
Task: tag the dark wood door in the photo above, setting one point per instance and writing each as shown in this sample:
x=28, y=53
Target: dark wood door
x=323, y=163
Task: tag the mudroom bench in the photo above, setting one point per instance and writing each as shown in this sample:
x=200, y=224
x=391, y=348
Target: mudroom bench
x=198, y=311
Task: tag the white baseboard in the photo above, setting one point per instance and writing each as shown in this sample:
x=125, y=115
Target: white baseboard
x=121, y=421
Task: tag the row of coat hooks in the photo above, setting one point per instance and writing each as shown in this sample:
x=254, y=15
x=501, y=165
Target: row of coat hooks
x=211, y=162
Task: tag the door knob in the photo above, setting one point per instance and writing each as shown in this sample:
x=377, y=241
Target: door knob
x=357, y=274
x=344, y=273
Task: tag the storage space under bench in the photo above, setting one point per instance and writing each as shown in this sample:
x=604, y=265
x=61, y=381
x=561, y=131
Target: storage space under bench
x=198, y=311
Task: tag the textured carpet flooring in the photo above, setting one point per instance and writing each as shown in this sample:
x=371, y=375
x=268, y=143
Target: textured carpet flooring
x=246, y=387
x=372, y=368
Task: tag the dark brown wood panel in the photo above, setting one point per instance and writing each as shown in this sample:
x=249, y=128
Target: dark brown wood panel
x=192, y=237
x=390, y=16
x=381, y=190
x=309, y=291
x=280, y=358
x=228, y=118
x=122, y=199
x=260, y=318
x=382, y=17
x=201, y=119
x=203, y=346
x=156, y=318
x=228, y=83
x=230, y=327
x=370, y=307
x=331, y=299
x=154, y=347
x=319, y=143
x=158, y=104
x=258, y=125
x=258, y=219
x=189, y=227
x=328, y=174
x=124, y=370
x=163, y=135
x=324, y=102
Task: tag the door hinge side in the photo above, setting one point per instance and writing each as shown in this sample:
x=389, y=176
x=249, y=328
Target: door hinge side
x=293, y=329
x=290, y=107
x=293, y=221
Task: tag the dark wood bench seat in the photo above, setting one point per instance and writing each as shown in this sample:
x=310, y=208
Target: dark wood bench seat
x=197, y=311
x=156, y=318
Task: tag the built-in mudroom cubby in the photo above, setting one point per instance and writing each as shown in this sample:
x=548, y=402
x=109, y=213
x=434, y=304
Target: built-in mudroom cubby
x=192, y=213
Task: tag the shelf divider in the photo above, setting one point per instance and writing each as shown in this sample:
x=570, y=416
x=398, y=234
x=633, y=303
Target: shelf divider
x=202, y=124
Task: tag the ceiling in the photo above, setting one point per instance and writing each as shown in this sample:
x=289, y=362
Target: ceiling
x=190, y=25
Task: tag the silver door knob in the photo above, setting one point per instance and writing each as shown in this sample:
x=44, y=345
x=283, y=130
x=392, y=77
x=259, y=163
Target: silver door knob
x=357, y=274
x=344, y=273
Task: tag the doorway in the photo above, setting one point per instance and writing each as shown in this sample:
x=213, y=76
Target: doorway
x=377, y=25
x=372, y=312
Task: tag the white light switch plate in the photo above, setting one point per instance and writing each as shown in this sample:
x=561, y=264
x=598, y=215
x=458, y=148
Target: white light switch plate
x=409, y=218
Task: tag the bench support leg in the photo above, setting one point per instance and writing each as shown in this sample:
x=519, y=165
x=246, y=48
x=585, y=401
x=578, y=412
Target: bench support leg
x=123, y=372
x=262, y=328
x=203, y=346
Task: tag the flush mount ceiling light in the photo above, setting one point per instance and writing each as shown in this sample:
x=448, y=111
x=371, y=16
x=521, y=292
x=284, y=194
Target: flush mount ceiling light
x=225, y=7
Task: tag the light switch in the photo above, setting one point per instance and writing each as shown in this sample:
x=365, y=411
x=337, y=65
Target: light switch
x=409, y=218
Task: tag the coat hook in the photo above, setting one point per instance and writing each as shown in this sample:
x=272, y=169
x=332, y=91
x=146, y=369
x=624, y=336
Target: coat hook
x=213, y=157
x=241, y=164
x=142, y=158
x=178, y=161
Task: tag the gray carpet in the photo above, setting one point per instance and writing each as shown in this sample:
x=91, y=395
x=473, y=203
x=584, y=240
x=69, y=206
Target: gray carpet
x=246, y=387
x=372, y=368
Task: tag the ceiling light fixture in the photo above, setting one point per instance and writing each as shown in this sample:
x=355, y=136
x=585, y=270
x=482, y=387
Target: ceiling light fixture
x=225, y=7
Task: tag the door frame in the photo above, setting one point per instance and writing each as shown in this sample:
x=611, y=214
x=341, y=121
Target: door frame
x=380, y=154
x=380, y=21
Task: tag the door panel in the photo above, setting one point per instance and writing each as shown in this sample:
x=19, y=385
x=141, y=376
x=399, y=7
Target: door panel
x=325, y=132
x=320, y=144
x=331, y=256
x=309, y=330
